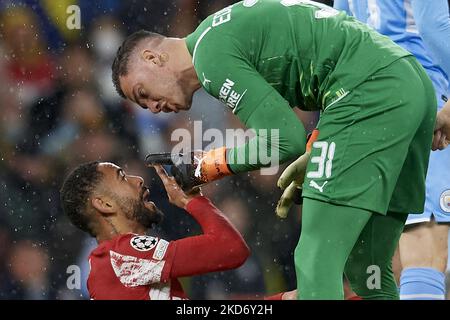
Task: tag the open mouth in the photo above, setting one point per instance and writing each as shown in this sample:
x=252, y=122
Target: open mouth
x=146, y=195
x=146, y=200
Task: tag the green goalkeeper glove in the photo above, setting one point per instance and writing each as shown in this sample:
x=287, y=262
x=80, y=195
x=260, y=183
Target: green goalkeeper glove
x=291, y=180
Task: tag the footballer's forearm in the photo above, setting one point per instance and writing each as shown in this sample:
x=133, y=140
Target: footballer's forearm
x=220, y=247
x=280, y=136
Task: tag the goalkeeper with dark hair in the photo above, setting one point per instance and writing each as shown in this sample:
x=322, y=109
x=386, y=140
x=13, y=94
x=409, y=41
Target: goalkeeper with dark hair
x=368, y=164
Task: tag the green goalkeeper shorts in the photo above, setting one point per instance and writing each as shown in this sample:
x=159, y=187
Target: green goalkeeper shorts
x=373, y=147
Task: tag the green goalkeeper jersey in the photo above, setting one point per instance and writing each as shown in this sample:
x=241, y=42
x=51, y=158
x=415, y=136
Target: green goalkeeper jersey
x=311, y=54
x=262, y=58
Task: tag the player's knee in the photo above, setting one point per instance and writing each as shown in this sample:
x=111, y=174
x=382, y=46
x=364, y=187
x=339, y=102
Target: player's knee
x=298, y=257
x=317, y=261
x=304, y=258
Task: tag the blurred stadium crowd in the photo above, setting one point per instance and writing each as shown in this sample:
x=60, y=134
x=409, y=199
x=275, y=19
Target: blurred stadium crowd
x=59, y=109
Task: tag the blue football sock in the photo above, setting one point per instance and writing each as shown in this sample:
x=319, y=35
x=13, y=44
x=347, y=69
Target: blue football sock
x=422, y=284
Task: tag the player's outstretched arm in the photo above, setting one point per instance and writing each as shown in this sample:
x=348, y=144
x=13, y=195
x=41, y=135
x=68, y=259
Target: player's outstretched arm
x=280, y=137
x=220, y=247
x=278, y=134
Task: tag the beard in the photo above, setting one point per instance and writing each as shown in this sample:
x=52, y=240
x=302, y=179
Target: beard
x=145, y=214
x=146, y=217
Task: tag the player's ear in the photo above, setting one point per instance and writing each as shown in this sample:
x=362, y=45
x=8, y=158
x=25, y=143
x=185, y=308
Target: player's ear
x=150, y=56
x=103, y=205
x=153, y=57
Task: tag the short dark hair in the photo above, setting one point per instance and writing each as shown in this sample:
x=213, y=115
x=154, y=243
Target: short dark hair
x=75, y=193
x=120, y=64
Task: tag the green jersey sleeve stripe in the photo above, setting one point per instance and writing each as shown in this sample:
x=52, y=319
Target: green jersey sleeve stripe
x=198, y=42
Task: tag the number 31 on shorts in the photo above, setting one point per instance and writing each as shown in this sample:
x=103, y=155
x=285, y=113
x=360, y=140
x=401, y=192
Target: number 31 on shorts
x=324, y=161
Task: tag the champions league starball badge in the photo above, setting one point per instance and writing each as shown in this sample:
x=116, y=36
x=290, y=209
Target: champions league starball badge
x=143, y=243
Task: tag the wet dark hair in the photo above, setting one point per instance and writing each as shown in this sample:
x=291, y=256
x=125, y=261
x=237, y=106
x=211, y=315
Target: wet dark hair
x=75, y=192
x=120, y=64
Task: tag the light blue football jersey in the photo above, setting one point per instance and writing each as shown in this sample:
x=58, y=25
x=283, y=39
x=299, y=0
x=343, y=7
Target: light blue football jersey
x=423, y=28
x=405, y=21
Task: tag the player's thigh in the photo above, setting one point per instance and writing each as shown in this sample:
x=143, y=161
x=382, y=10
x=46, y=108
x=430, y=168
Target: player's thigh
x=425, y=245
x=411, y=183
x=364, y=141
x=410, y=187
x=353, y=165
x=369, y=266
